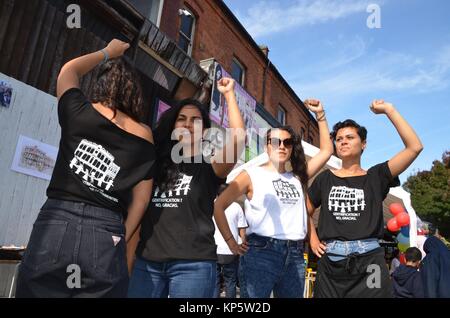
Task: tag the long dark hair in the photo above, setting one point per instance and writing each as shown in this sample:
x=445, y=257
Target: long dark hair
x=298, y=159
x=118, y=87
x=166, y=170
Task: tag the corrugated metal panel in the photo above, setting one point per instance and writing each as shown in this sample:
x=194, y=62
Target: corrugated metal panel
x=35, y=42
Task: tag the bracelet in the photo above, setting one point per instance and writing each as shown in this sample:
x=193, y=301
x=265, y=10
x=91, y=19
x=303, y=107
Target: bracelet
x=321, y=117
x=229, y=238
x=106, y=56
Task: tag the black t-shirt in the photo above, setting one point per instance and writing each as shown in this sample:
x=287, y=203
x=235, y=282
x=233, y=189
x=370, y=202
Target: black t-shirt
x=351, y=208
x=178, y=224
x=98, y=163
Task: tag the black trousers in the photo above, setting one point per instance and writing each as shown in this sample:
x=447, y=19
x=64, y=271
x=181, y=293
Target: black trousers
x=75, y=250
x=358, y=276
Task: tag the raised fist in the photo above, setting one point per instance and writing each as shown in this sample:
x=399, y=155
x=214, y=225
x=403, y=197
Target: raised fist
x=379, y=106
x=116, y=48
x=225, y=85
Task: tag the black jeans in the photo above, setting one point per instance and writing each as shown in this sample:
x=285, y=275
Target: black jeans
x=75, y=250
x=229, y=272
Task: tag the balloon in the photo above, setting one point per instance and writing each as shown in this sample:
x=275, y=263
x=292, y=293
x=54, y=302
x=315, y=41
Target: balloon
x=402, y=239
x=402, y=259
x=402, y=247
x=396, y=208
x=405, y=230
x=392, y=225
x=402, y=219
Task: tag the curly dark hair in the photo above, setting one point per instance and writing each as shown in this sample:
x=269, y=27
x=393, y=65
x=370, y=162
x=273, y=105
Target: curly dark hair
x=167, y=171
x=298, y=159
x=361, y=130
x=118, y=87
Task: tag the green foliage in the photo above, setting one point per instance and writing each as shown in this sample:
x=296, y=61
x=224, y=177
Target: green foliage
x=430, y=194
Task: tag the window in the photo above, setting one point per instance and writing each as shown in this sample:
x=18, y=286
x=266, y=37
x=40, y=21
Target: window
x=151, y=9
x=281, y=115
x=186, y=35
x=237, y=71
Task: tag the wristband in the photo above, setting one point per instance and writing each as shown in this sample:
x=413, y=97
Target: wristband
x=106, y=56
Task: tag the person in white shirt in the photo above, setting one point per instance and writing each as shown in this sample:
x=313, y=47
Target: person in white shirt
x=276, y=213
x=227, y=262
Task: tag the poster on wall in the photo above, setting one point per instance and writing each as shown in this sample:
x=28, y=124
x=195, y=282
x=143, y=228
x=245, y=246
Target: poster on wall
x=34, y=158
x=218, y=109
x=217, y=100
x=5, y=94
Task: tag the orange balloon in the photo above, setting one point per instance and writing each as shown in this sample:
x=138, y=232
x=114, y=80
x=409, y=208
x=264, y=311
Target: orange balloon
x=396, y=208
x=402, y=219
x=392, y=225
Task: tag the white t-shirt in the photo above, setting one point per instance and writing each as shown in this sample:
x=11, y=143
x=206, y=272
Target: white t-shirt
x=236, y=220
x=277, y=208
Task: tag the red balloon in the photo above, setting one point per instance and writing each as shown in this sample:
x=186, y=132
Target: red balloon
x=402, y=259
x=402, y=219
x=392, y=225
x=396, y=208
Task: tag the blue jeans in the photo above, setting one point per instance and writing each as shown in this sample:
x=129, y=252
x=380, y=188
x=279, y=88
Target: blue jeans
x=70, y=233
x=272, y=265
x=230, y=277
x=174, y=279
x=345, y=248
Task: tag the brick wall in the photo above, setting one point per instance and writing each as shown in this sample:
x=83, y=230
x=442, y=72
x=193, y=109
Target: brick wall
x=216, y=35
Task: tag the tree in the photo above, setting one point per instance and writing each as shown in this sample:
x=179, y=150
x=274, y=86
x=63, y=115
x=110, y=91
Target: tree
x=430, y=194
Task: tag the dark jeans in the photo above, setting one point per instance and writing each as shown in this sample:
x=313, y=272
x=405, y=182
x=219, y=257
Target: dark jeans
x=75, y=250
x=272, y=265
x=230, y=278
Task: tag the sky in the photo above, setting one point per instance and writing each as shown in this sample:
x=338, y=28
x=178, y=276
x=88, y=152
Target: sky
x=325, y=49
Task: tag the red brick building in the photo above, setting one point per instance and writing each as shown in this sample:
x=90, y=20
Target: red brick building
x=216, y=33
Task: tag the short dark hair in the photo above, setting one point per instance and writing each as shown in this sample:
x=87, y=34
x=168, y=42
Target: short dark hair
x=413, y=254
x=362, y=131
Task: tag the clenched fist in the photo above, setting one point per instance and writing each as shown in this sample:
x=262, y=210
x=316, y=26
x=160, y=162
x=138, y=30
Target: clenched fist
x=116, y=48
x=314, y=105
x=379, y=106
x=225, y=85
